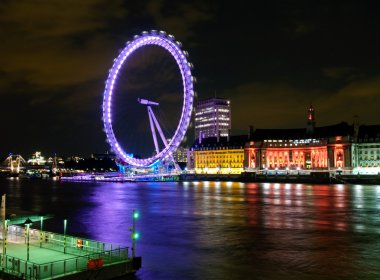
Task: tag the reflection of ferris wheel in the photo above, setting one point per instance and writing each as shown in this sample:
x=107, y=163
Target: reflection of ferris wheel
x=174, y=48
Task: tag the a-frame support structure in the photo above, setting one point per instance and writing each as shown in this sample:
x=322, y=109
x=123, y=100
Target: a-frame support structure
x=155, y=125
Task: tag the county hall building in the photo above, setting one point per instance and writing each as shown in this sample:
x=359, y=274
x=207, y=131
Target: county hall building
x=340, y=146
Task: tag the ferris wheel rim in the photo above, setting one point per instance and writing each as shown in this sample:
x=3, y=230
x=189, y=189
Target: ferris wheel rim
x=168, y=43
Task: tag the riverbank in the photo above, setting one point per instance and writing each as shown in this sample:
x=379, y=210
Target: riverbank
x=310, y=178
x=259, y=177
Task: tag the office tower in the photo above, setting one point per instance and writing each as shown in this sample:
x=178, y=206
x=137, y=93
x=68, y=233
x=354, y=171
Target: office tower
x=212, y=118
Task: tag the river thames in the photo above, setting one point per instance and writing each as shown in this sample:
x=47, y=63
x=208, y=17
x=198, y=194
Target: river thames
x=219, y=230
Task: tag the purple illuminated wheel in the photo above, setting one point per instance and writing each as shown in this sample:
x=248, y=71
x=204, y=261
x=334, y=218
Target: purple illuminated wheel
x=168, y=43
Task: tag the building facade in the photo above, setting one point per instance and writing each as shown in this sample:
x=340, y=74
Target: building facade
x=211, y=156
x=339, y=147
x=310, y=148
x=180, y=155
x=212, y=118
x=366, y=150
x=325, y=148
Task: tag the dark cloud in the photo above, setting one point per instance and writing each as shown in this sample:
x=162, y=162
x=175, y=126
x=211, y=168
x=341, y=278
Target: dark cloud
x=180, y=18
x=338, y=72
x=273, y=105
x=41, y=40
x=271, y=59
x=54, y=19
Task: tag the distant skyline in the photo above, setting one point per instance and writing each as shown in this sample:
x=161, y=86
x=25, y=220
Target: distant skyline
x=272, y=59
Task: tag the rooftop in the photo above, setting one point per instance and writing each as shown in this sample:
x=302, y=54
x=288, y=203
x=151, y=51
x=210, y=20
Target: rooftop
x=340, y=129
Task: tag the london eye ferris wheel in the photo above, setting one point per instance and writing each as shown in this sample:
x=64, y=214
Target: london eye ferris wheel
x=164, y=145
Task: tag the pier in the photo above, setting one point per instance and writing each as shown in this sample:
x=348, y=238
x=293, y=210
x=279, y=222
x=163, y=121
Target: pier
x=29, y=253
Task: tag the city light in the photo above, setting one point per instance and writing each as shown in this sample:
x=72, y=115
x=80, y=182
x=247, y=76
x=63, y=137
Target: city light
x=174, y=49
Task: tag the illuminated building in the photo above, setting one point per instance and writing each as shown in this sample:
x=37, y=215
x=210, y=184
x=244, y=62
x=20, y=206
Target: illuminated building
x=37, y=166
x=316, y=148
x=180, y=155
x=366, y=150
x=37, y=159
x=339, y=147
x=327, y=148
x=310, y=125
x=55, y=161
x=212, y=118
x=312, y=147
x=13, y=164
x=211, y=156
x=75, y=159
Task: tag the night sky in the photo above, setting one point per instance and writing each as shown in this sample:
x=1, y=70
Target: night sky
x=272, y=59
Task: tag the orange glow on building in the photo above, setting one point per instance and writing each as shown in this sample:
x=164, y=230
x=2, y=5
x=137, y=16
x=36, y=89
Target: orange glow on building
x=304, y=158
x=339, y=157
x=221, y=161
x=252, y=158
x=212, y=156
x=311, y=148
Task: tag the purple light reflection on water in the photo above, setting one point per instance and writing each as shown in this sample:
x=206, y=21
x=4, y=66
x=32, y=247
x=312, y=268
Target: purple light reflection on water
x=217, y=230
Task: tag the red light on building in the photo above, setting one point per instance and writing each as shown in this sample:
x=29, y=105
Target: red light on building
x=339, y=157
x=310, y=158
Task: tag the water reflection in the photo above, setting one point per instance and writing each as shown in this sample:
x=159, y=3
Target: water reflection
x=222, y=230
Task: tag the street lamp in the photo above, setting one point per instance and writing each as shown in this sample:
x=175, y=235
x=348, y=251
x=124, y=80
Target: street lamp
x=5, y=236
x=27, y=223
x=41, y=226
x=64, y=235
x=134, y=235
